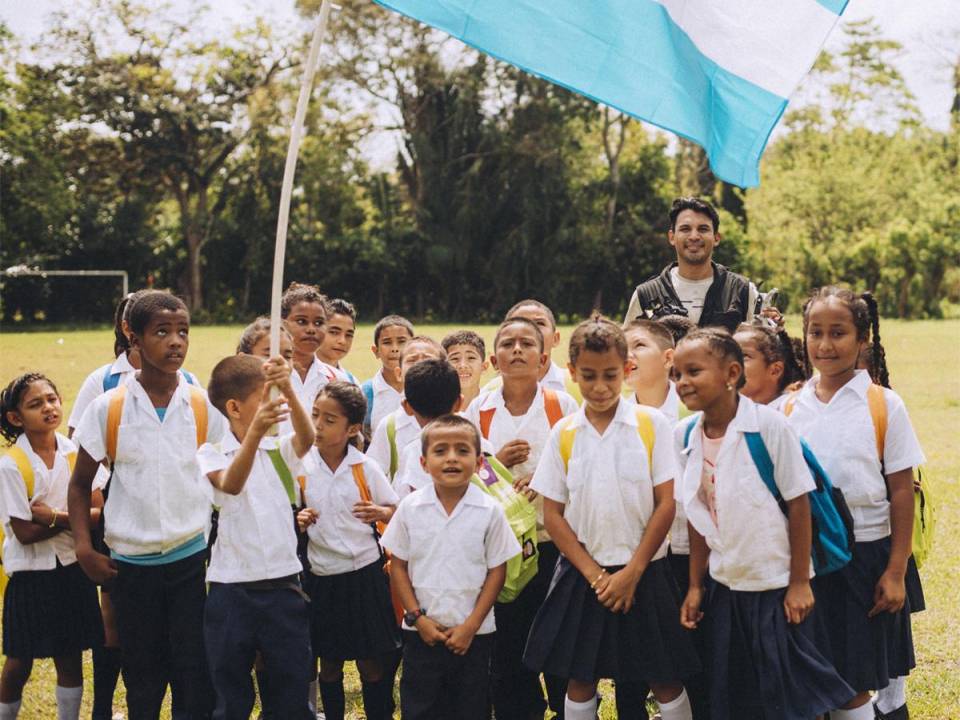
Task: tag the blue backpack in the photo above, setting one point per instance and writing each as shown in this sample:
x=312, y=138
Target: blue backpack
x=111, y=380
x=832, y=522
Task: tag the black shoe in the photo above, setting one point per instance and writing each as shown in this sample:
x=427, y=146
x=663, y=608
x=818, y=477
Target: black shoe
x=901, y=713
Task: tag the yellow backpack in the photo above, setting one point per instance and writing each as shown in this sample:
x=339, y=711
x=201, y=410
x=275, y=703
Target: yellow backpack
x=644, y=429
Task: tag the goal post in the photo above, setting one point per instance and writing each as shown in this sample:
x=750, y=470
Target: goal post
x=24, y=271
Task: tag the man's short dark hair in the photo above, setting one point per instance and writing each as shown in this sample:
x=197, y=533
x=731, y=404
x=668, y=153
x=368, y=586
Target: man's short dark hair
x=234, y=378
x=431, y=387
x=698, y=206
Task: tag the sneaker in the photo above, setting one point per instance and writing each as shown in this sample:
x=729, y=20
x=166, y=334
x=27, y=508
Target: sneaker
x=901, y=713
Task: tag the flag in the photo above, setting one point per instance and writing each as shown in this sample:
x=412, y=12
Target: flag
x=718, y=72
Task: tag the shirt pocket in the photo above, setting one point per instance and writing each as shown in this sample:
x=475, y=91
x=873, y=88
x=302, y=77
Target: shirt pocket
x=635, y=484
x=753, y=489
x=132, y=444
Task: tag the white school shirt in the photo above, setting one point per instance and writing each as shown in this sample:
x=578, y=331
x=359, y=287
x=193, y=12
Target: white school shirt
x=309, y=387
x=449, y=556
x=841, y=434
x=158, y=499
x=407, y=429
x=555, y=379
x=607, y=487
x=670, y=406
x=749, y=544
x=256, y=539
x=339, y=541
x=50, y=488
x=386, y=399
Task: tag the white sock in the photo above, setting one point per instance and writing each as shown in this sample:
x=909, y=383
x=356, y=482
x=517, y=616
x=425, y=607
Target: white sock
x=312, y=690
x=586, y=710
x=9, y=711
x=677, y=709
x=68, y=702
x=864, y=712
x=893, y=696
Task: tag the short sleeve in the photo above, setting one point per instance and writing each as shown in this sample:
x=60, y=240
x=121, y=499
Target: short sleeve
x=380, y=490
x=901, y=449
x=790, y=470
x=379, y=449
x=13, y=492
x=289, y=455
x=211, y=459
x=550, y=477
x=500, y=544
x=664, y=456
x=472, y=413
x=396, y=539
x=90, y=434
x=217, y=425
x=90, y=390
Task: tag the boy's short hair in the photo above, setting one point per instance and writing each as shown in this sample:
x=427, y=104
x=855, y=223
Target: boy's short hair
x=678, y=325
x=432, y=387
x=423, y=340
x=658, y=331
x=339, y=306
x=598, y=334
x=517, y=321
x=144, y=305
x=234, y=378
x=391, y=321
x=449, y=421
x=536, y=303
x=465, y=337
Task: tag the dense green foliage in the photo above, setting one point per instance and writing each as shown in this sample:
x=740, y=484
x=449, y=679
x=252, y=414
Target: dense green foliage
x=132, y=140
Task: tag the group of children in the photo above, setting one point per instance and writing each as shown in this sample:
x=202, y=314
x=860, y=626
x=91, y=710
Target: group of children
x=289, y=519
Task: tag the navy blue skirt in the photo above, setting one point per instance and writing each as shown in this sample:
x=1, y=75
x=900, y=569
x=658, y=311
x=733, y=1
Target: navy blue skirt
x=575, y=636
x=48, y=613
x=761, y=666
x=351, y=616
x=914, y=587
x=866, y=651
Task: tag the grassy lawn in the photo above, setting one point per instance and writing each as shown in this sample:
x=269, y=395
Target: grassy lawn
x=924, y=359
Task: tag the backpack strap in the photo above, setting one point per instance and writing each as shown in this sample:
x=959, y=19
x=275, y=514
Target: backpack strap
x=764, y=463
x=688, y=430
x=647, y=434
x=360, y=479
x=283, y=471
x=110, y=380
x=878, y=413
x=19, y=456
x=392, y=441
x=114, y=413
x=551, y=405
x=567, y=434
x=486, y=419
x=187, y=376
x=302, y=482
x=367, y=388
x=198, y=403
x=791, y=403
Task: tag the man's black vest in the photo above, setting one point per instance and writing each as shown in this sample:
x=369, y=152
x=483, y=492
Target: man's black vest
x=726, y=304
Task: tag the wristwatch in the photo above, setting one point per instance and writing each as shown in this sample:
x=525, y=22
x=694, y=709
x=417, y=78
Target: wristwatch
x=411, y=617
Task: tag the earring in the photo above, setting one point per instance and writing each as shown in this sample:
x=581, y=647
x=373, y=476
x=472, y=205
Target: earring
x=729, y=387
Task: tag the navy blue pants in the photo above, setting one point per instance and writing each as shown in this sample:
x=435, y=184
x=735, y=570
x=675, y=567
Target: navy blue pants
x=159, y=612
x=238, y=622
x=438, y=685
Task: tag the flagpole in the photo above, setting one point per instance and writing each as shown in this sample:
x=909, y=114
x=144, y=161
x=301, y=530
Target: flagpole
x=289, y=170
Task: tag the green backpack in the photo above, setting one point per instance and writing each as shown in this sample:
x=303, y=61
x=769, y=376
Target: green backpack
x=497, y=482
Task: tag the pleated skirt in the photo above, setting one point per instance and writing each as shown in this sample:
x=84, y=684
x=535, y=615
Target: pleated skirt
x=574, y=636
x=761, y=666
x=866, y=651
x=48, y=613
x=351, y=616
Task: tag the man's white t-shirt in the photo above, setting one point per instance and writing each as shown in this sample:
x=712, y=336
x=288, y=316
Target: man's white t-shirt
x=692, y=293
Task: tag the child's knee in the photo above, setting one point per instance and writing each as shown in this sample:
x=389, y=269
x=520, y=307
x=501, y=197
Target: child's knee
x=69, y=670
x=16, y=672
x=371, y=671
x=331, y=670
x=579, y=691
x=666, y=692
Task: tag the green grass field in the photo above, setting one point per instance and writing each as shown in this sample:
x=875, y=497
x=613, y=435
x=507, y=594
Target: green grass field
x=924, y=359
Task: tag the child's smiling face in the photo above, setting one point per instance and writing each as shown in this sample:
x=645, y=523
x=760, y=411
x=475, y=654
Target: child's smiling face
x=469, y=364
x=701, y=375
x=832, y=340
x=649, y=364
x=451, y=457
x=337, y=340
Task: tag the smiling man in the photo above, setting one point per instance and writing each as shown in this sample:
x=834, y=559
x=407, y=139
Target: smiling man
x=694, y=285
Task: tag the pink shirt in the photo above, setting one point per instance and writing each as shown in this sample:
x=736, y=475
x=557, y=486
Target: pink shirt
x=708, y=480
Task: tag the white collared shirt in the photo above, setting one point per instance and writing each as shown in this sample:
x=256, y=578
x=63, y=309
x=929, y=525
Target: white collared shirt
x=449, y=556
x=309, y=387
x=407, y=430
x=670, y=406
x=49, y=488
x=749, y=544
x=841, y=434
x=386, y=399
x=607, y=487
x=339, y=541
x=158, y=499
x=256, y=539
x=557, y=378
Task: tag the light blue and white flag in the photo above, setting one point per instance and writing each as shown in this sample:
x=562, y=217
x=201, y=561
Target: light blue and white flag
x=718, y=72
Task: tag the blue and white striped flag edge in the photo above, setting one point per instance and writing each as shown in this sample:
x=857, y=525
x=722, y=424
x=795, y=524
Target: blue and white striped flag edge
x=718, y=72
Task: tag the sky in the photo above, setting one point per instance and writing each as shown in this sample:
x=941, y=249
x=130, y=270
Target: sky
x=929, y=31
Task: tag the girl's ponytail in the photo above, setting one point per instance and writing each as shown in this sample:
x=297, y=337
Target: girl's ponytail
x=793, y=369
x=878, y=357
x=120, y=341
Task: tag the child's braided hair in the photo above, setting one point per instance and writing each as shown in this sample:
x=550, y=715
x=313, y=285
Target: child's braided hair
x=776, y=345
x=10, y=399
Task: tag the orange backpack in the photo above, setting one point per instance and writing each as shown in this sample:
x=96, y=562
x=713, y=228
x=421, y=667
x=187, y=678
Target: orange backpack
x=551, y=405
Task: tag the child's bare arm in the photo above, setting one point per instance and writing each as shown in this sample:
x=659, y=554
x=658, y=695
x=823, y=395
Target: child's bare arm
x=270, y=412
x=619, y=593
x=798, y=602
x=890, y=592
x=461, y=637
x=98, y=568
x=690, y=612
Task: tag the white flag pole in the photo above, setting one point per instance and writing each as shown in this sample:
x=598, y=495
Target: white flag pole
x=286, y=190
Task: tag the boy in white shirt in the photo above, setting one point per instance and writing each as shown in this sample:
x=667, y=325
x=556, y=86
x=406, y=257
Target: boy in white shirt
x=255, y=601
x=450, y=543
x=337, y=339
x=385, y=389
